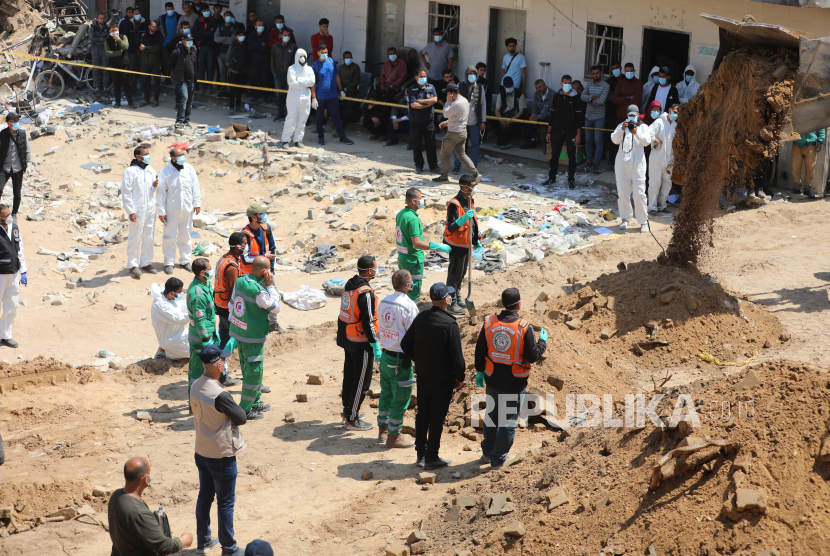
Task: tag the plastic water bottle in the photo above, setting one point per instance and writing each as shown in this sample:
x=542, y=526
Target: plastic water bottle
x=161, y=518
x=104, y=353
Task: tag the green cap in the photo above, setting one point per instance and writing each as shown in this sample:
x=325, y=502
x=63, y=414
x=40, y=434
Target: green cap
x=256, y=208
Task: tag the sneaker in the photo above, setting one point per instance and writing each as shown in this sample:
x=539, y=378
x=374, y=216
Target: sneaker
x=456, y=170
x=321, y=140
x=506, y=462
x=506, y=146
x=485, y=459
x=644, y=228
x=383, y=435
x=810, y=195
x=227, y=380
x=624, y=223
x=408, y=145
x=299, y=145
x=264, y=389
x=398, y=441
x=441, y=178
x=168, y=269
x=159, y=354
x=262, y=407
x=374, y=137
x=549, y=181
x=132, y=105
x=155, y=104
x=358, y=425
x=527, y=144
x=275, y=327
x=149, y=269
x=571, y=184
x=436, y=464
x=456, y=309
x=359, y=416
x=136, y=272
x=142, y=104
x=652, y=211
x=233, y=551
x=214, y=543
x=9, y=342
x=434, y=169
x=231, y=112
x=346, y=141
x=419, y=462
x=253, y=415
x=278, y=117
x=187, y=267
x=419, y=169
x=391, y=143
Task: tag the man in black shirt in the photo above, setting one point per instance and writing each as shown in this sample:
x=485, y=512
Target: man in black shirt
x=564, y=128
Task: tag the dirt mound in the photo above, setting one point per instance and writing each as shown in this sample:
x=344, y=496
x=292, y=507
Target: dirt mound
x=765, y=487
x=722, y=137
x=42, y=370
x=33, y=500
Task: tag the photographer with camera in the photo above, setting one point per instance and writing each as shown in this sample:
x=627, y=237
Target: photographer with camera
x=630, y=167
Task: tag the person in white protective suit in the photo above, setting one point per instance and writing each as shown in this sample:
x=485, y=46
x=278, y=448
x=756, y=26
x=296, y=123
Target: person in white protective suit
x=689, y=86
x=648, y=85
x=661, y=159
x=630, y=167
x=138, y=193
x=169, y=318
x=179, y=200
x=299, y=101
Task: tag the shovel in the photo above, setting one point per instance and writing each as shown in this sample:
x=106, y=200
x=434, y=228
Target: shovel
x=471, y=307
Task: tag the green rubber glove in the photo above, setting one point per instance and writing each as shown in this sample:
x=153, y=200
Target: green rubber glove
x=443, y=247
x=375, y=350
x=480, y=379
x=467, y=215
x=543, y=335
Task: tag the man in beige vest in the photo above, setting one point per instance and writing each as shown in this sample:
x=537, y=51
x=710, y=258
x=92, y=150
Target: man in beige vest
x=216, y=419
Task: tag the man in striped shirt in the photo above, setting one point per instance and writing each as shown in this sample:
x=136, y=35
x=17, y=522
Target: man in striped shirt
x=595, y=97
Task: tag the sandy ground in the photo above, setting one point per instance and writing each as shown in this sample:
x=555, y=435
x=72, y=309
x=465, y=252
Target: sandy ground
x=299, y=484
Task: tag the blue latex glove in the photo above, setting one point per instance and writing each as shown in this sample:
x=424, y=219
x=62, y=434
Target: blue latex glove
x=480, y=380
x=543, y=335
x=375, y=350
x=23, y=279
x=467, y=215
x=443, y=247
x=478, y=252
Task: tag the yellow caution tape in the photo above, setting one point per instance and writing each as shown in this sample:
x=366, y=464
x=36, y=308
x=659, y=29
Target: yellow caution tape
x=253, y=88
x=708, y=357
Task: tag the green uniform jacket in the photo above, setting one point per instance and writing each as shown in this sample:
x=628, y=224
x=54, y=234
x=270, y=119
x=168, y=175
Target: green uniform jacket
x=249, y=321
x=407, y=226
x=202, y=314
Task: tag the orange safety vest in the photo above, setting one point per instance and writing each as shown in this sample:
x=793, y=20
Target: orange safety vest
x=460, y=237
x=350, y=314
x=221, y=290
x=253, y=246
x=505, y=345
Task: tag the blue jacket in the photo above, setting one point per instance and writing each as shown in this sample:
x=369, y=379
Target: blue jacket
x=812, y=138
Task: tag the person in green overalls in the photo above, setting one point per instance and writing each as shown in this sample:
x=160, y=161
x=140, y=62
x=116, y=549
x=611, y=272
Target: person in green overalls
x=202, y=315
x=253, y=298
x=409, y=235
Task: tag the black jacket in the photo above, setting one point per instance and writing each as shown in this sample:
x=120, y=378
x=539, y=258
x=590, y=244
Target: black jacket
x=565, y=112
x=237, y=57
x=366, y=305
x=258, y=48
x=183, y=64
x=502, y=378
x=22, y=143
x=135, y=32
x=151, y=55
x=203, y=31
x=433, y=341
x=673, y=98
x=10, y=251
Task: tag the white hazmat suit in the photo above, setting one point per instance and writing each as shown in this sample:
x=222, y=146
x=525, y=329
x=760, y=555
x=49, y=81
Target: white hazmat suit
x=660, y=161
x=170, y=321
x=688, y=90
x=178, y=196
x=648, y=85
x=630, y=169
x=298, y=101
x=138, y=195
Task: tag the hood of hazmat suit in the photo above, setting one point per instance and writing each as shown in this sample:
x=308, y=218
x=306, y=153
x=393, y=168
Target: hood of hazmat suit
x=169, y=319
x=688, y=90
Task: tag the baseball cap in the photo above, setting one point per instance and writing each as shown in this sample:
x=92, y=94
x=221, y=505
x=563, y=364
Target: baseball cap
x=256, y=208
x=259, y=548
x=440, y=290
x=211, y=354
x=633, y=110
x=452, y=88
x=12, y=117
x=666, y=70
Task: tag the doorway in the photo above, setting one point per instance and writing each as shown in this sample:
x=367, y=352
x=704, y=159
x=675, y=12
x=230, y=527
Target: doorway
x=504, y=24
x=673, y=45
x=384, y=28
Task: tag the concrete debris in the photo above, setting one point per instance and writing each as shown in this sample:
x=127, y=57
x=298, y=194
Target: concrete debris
x=302, y=397
x=416, y=535
x=143, y=416
x=289, y=417
x=684, y=458
x=426, y=478
x=397, y=548
x=315, y=378
x=367, y=475
x=515, y=529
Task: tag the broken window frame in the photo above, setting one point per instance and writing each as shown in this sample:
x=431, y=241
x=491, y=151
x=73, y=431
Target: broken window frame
x=603, y=45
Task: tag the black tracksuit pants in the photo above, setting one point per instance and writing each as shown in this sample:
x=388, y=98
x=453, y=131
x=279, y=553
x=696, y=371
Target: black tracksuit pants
x=357, y=376
x=557, y=139
x=433, y=405
x=457, y=269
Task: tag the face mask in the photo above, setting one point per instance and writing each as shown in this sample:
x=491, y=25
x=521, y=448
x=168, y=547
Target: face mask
x=260, y=28
x=114, y=35
x=348, y=61
x=324, y=57
x=656, y=79
x=422, y=81
x=228, y=19
x=393, y=57
x=673, y=117
x=420, y=203
x=655, y=115
x=566, y=87
x=179, y=296
x=263, y=218
x=209, y=274
x=508, y=90
x=180, y=160
x=138, y=17
x=280, y=26
x=189, y=44
x=629, y=75
x=615, y=73
x=241, y=39
x=286, y=39
x=439, y=38
x=16, y=126
x=171, y=13
x=632, y=119
x=472, y=78
x=302, y=60
x=146, y=158
x=689, y=78
x=662, y=80
x=206, y=15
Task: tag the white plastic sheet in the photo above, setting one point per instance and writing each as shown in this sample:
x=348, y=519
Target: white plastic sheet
x=306, y=299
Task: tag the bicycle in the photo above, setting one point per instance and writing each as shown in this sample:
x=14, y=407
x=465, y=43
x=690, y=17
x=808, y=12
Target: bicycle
x=50, y=83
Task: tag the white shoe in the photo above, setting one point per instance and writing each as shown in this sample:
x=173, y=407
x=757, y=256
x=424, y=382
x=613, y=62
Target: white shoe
x=624, y=223
x=644, y=228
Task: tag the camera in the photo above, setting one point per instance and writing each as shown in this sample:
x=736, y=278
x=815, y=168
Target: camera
x=631, y=126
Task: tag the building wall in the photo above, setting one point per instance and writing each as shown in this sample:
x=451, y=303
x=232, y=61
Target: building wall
x=347, y=23
x=552, y=38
